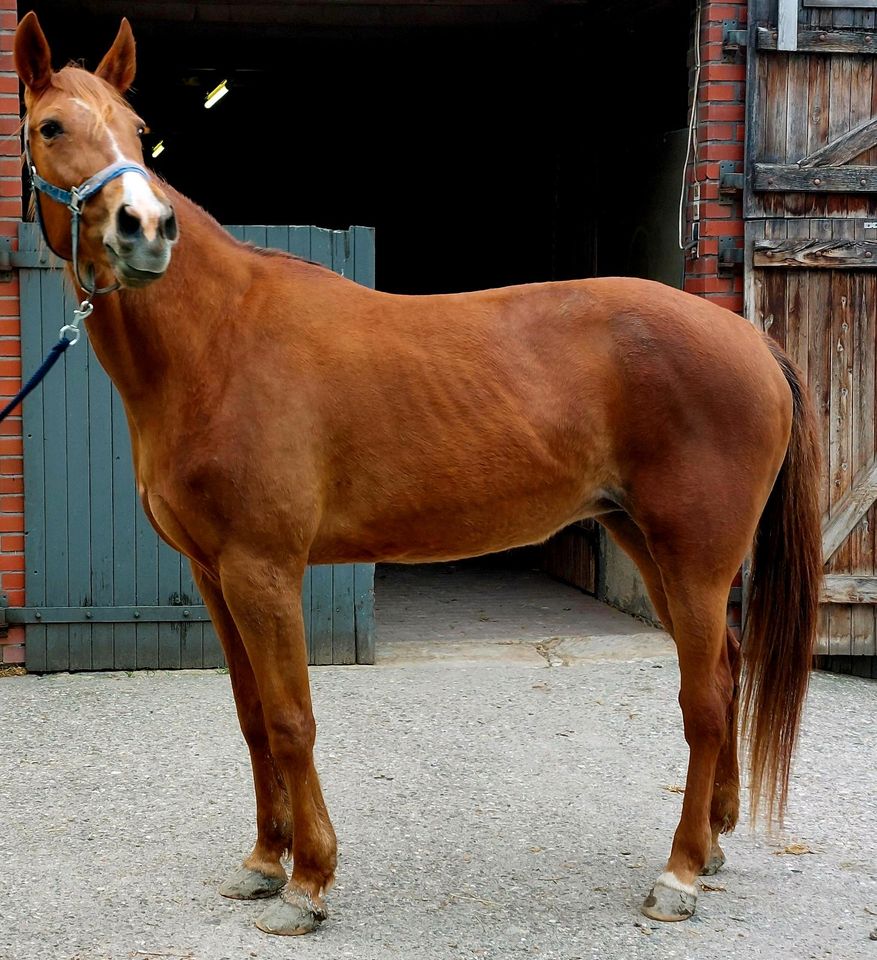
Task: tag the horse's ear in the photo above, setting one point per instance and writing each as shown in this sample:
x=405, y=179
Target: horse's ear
x=33, y=59
x=119, y=65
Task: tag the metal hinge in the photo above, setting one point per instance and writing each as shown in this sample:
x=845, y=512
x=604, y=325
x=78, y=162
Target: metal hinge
x=730, y=256
x=733, y=37
x=12, y=260
x=730, y=181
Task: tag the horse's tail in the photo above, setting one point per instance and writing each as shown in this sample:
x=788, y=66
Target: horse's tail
x=784, y=588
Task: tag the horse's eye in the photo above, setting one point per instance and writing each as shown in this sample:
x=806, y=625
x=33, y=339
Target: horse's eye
x=51, y=129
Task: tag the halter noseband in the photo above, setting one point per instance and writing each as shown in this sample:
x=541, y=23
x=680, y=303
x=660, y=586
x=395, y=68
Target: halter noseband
x=74, y=199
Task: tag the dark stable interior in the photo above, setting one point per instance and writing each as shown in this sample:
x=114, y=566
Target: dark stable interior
x=487, y=144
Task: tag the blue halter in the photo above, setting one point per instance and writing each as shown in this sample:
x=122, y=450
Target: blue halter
x=74, y=199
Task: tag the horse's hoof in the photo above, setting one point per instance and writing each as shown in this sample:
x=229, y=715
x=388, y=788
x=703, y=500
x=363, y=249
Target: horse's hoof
x=715, y=862
x=294, y=913
x=247, y=884
x=670, y=900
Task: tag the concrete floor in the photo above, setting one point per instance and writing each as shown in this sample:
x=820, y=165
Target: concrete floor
x=498, y=793
x=479, y=609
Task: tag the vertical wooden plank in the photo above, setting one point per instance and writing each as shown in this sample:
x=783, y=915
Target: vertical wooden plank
x=34, y=463
x=840, y=432
x=277, y=237
x=256, y=235
x=55, y=458
x=787, y=30
x=300, y=242
x=364, y=599
x=321, y=576
x=863, y=641
x=840, y=73
x=124, y=544
x=78, y=494
x=819, y=97
x=100, y=433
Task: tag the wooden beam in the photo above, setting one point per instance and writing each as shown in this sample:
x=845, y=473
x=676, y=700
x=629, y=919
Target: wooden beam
x=845, y=147
x=790, y=178
x=841, y=589
x=815, y=254
x=787, y=25
x=848, y=511
x=821, y=41
x=865, y=4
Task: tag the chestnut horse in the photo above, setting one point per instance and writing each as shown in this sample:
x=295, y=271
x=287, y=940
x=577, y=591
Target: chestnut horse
x=281, y=415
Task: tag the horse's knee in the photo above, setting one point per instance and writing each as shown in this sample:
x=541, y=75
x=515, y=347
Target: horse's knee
x=705, y=712
x=291, y=736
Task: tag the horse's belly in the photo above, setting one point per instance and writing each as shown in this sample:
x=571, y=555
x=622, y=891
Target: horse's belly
x=449, y=528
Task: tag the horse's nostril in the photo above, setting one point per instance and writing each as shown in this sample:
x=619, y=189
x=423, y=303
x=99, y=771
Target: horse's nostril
x=128, y=224
x=169, y=227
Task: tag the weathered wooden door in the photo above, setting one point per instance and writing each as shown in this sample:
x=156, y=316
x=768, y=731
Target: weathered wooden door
x=810, y=201
x=102, y=591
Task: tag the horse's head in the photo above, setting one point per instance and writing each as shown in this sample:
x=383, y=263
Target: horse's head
x=78, y=126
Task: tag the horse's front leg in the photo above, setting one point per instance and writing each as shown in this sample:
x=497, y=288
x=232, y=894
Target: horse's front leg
x=264, y=599
x=261, y=874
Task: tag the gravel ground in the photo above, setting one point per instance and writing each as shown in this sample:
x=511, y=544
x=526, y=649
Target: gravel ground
x=496, y=809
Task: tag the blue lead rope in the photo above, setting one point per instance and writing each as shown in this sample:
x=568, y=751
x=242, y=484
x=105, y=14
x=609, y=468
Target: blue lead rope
x=53, y=357
x=69, y=334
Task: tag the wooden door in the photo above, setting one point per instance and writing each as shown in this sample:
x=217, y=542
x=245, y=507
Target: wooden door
x=810, y=202
x=102, y=591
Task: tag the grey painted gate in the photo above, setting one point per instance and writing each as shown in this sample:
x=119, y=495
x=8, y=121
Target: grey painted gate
x=103, y=592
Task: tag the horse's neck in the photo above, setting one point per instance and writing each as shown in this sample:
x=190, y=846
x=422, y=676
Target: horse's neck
x=151, y=340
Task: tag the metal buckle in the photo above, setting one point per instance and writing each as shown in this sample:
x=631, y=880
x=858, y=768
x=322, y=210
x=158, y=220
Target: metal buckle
x=82, y=312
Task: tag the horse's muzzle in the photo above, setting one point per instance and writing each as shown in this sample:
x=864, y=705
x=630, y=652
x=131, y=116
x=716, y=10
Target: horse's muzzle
x=138, y=260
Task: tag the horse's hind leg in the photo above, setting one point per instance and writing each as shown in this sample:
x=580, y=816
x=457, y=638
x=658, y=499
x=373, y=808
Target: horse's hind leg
x=264, y=599
x=261, y=874
x=726, y=789
x=725, y=806
x=697, y=590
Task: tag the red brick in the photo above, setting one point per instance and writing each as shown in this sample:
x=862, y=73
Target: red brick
x=9, y=307
x=716, y=131
x=11, y=484
x=10, y=187
x=11, y=466
x=723, y=71
x=721, y=228
x=10, y=446
x=720, y=111
x=720, y=91
x=14, y=598
x=10, y=327
x=11, y=503
x=708, y=246
x=11, y=208
x=711, y=52
x=12, y=543
x=13, y=581
x=722, y=151
x=10, y=367
x=11, y=562
x=716, y=211
x=9, y=19
x=718, y=12
x=10, y=147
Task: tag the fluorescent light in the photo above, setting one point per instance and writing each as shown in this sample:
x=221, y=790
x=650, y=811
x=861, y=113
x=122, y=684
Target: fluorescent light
x=216, y=95
x=157, y=149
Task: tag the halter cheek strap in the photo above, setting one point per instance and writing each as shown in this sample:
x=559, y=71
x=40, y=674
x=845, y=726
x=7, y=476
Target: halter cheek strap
x=74, y=199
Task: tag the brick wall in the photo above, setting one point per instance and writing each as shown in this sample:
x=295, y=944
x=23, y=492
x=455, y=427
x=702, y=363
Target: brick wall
x=721, y=97
x=11, y=481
